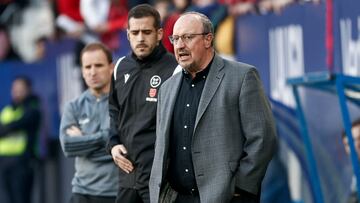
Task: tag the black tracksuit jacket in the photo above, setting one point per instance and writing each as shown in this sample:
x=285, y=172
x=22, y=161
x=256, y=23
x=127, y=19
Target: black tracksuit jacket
x=132, y=105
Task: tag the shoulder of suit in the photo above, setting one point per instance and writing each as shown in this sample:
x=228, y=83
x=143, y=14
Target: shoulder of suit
x=238, y=66
x=169, y=81
x=177, y=70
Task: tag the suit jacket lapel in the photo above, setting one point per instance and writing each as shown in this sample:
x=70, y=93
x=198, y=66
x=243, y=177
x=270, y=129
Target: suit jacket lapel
x=212, y=83
x=171, y=98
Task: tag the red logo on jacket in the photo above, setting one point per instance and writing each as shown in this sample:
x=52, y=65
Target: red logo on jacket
x=152, y=92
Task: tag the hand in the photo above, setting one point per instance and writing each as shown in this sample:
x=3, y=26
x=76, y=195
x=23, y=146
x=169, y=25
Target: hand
x=73, y=131
x=118, y=153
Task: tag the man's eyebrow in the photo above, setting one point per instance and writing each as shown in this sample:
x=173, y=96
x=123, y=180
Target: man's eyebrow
x=147, y=29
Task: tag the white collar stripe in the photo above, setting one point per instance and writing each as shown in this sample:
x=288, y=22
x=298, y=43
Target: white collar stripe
x=116, y=66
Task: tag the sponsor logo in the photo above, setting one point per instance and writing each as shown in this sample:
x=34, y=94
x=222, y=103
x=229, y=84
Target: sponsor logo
x=150, y=99
x=83, y=121
x=126, y=77
x=155, y=81
x=152, y=92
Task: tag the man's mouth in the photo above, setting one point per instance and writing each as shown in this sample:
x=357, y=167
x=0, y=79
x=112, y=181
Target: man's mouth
x=141, y=46
x=183, y=55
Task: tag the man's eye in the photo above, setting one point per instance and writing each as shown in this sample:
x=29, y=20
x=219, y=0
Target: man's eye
x=187, y=37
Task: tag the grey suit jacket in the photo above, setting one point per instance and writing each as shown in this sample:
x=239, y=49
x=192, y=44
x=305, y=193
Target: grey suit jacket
x=234, y=135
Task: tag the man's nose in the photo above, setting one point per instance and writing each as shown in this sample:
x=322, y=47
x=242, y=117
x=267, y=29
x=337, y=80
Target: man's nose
x=179, y=43
x=92, y=70
x=140, y=37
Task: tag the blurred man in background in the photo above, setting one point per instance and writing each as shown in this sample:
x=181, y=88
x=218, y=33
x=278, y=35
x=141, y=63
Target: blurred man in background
x=19, y=128
x=84, y=130
x=355, y=131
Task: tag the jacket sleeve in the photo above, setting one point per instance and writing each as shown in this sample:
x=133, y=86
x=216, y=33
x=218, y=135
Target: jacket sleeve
x=114, y=114
x=79, y=145
x=259, y=131
x=99, y=155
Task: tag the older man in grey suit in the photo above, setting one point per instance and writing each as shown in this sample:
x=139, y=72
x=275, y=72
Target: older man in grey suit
x=215, y=131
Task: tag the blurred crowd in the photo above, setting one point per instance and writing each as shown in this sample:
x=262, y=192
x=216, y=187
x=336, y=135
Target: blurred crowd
x=27, y=25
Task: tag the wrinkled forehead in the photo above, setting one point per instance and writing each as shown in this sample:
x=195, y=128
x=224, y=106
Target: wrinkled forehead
x=188, y=24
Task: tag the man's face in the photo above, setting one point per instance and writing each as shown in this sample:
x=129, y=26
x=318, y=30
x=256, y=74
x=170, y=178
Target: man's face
x=19, y=91
x=190, y=52
x=96, y=70
x=356, y=137
x=143, y=36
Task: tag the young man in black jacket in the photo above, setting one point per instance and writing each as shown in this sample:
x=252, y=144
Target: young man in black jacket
x=133, y=101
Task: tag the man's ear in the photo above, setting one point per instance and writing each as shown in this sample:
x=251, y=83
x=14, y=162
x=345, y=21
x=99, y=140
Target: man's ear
x=127, y=34
x=160, y=34
x=209, y=38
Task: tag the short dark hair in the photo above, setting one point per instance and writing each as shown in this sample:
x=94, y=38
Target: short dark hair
x=96, y=46
x=145, y=10
x=27, y=81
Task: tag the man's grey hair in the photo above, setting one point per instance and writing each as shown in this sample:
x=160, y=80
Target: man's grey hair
x=207, y=24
